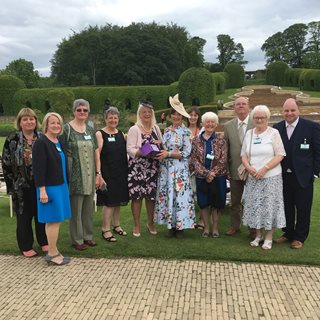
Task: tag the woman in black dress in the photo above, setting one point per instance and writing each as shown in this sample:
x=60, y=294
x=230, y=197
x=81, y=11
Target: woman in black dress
x=113, y=169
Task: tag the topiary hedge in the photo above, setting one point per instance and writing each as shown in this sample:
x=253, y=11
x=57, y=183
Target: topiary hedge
x=220, y=81
x=235, y=76
x=292, y=77
x=276, y=73
x=196, y=87
x=310, y=79
x=9, y=85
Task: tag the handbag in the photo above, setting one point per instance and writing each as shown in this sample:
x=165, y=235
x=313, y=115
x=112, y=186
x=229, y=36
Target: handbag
x=242, y=171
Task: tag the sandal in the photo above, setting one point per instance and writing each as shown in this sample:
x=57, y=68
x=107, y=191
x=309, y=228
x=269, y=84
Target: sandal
x=267, y=245
x=256, y=242
x=205, y=234
x=120, y=232
x=111, y=238
x=30, y=253
x=49, y=260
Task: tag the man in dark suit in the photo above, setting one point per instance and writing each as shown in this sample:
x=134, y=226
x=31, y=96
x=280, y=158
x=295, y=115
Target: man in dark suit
x=301, y=139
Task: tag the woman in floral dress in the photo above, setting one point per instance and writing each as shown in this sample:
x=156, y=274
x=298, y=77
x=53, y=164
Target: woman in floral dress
x=174, y=202
x=143, y=171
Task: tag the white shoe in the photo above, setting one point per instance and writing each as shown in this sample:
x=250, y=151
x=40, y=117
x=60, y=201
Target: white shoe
x=255, y=242
x=267, y=245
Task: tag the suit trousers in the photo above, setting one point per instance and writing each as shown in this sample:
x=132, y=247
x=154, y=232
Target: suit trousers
x=24, y=230
x=236, y=189
x=81, y=222
x=297, y=205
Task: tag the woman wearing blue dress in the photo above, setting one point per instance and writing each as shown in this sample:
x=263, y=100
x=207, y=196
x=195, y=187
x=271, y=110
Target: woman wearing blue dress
x=51, y=181
x=174, y=201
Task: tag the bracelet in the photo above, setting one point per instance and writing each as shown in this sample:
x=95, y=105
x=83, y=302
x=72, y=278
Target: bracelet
x=268, y=168
x=98, y=173
x=169, y=154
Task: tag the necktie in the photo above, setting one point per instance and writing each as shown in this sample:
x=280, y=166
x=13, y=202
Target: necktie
x=289, y=130
x=241, y=133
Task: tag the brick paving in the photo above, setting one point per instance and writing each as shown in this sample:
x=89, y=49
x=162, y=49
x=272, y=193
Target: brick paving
x=156, y=289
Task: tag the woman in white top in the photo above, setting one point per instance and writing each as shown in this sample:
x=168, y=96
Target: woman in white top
x=262, y=152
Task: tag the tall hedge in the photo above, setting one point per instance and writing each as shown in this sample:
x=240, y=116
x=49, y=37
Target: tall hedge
x=275, y=74
x=220, y=81
x=235, y=76
x=292, y=77
x=310, y=79
x=9, y=85
x=196, y=87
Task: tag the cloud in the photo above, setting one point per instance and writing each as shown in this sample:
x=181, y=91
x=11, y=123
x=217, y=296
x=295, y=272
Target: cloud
x=32, y=29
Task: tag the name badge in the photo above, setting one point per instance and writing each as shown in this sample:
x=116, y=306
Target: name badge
x=88, y=137
x=111, y=139
x=210, y=156
x=257, y=140
x=59, y=149
x=304, y=146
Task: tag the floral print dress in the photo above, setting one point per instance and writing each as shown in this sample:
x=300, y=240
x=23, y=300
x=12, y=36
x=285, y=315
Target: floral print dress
x=174, y=203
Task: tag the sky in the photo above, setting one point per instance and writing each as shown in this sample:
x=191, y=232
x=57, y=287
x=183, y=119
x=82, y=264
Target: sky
x=32, y=29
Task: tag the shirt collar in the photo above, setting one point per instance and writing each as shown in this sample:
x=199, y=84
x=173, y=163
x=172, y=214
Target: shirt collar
x=245, y=121
x=294, y=124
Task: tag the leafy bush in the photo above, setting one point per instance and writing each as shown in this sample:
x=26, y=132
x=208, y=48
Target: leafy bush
x=9, y=85
x=60, y=101
x=276, y=73
x=235, y=75
x=220, y=81
x=6, y=128
x=292, y=77
x=310, y=79
x=196, y=87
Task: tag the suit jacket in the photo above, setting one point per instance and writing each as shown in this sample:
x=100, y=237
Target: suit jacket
x=305, y=160
x=231, y=134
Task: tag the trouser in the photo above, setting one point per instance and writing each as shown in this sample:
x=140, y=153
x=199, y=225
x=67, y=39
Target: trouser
x=236, y=189
x=81, y=222
x=297, y=207
x=24, y=230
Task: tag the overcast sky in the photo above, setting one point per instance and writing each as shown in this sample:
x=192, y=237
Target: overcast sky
x=31, y=29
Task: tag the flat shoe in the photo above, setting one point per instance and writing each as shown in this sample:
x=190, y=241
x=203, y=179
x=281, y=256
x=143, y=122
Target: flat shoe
x=205, y=234
x=136, y=234
x=119, y=231
x=282, y=239
x=152, y=232
x=111, y=238
x=80, y=247
x=256, y=242
x=45, y=248
x=49, y=260
x=295, y=244
x=215, y=235
x=30, y=253
x=267, y=245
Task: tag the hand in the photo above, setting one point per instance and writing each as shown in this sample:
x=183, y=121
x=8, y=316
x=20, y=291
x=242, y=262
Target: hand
x=99, y=181
x=162, y=155
x=43, y=196
x=157, y=142
x=260, y=173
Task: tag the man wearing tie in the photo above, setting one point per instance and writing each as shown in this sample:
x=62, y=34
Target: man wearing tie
x=234, y=132
x=301, y=139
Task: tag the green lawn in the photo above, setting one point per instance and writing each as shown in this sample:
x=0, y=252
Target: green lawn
x=2, y=139
x=193, y=246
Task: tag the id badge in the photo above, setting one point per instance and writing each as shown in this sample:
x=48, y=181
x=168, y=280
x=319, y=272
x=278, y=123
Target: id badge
x=304, y=146
x=87, y=137
x=210, y=156
x=111, y=139
x=257, y=140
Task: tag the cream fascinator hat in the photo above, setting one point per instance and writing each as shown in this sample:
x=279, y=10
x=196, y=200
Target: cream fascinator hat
x=178, y=106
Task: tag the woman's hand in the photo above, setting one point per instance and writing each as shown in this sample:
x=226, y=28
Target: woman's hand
x=162, y=155
x=43, y=195
x=157, y=142
x=252, y=171
x=99, y=181
x=210, y=176
x=260, y=173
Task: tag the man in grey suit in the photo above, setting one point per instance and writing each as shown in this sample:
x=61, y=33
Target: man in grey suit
x=234, y=132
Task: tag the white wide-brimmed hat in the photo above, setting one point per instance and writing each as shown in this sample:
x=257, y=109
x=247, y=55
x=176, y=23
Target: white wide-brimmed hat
x=178, y=106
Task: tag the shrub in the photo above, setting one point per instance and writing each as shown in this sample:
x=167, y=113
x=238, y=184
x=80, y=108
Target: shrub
x=9, y=85
x=60, y=101
x=196, y=86
x=292, y=77
x=235, y=75
x=6, y=128
x=310, y=79
x=220, y=81
x=276, y=73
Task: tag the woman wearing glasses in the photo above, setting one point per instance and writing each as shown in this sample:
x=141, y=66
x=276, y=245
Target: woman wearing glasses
x=262, y=152
x=81, y=147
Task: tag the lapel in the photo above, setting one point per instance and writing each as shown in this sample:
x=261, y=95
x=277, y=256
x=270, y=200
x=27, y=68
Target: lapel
x=235, y=131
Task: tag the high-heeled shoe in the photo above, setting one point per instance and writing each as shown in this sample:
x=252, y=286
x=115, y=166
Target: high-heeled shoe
x=152, y=232
x=50, y=261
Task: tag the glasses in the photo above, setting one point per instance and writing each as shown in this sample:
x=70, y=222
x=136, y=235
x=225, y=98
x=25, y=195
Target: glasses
x=82, y=110
x=259, y=118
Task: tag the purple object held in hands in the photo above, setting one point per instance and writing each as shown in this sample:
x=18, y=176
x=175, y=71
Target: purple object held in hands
x=149, y=150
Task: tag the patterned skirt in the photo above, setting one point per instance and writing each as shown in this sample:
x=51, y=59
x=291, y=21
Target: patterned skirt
x=263, y=203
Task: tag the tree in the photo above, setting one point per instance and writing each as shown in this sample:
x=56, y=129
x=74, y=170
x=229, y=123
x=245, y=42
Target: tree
x=23, y=70
x=274, y=48
x=295, y=39
x=229, y=51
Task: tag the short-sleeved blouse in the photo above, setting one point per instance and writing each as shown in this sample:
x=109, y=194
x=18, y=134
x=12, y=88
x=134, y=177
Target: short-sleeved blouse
x=80, y=149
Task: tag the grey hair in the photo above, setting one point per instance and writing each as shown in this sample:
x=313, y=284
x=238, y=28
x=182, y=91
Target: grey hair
x=261, y=108
x=209, y=116
x=80, y=102
x=112, y=110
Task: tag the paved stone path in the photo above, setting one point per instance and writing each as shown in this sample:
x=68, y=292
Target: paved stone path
x=156, y=289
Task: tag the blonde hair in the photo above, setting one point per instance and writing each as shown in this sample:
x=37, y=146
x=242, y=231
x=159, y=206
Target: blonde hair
x=26, y=112
x=46, y=120
x=153, y=117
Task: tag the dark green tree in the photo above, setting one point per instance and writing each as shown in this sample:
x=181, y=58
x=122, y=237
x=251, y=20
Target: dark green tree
x=274, y=48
